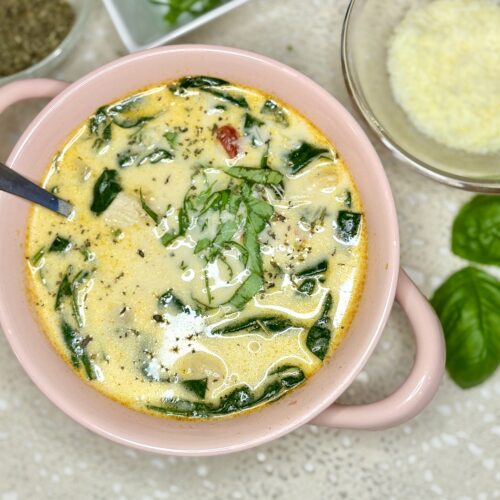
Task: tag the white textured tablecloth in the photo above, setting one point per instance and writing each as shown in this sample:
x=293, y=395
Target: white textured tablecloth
x=452, y=450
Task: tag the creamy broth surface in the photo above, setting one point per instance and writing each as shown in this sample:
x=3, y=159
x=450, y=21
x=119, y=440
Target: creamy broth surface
x=215, y=257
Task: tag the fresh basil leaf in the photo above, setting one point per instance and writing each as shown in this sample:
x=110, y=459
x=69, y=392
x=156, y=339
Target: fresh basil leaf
x=468, y=306
x=256, y=175
x=347, y=225
x=156, y=217
x=183, y=220
x=197, y=387
x=168, y=238
x=201, y=81
x=279, y=114
x=60, y=244
x=476, y=230
x=224, y=234
x=319, y=336
x=106, y=189
x=202, y=245
x=248, y=289
x=301, y=156
x=259, y=213
x=216, y=201
x=156, y=156
x=233, y=204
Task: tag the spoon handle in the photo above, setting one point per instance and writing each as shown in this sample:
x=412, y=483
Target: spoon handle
x=14, y=183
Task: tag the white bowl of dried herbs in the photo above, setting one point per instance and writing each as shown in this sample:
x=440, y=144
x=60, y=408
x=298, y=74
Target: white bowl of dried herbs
x=37, y=34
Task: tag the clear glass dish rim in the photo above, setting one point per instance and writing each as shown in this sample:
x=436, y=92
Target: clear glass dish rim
x=457, y=181
x=80, y=18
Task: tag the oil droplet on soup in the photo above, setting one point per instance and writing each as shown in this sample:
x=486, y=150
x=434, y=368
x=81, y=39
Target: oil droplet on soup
x=216, y=256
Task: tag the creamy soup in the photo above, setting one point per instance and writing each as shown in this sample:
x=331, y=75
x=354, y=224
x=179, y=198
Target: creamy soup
x=215, y=256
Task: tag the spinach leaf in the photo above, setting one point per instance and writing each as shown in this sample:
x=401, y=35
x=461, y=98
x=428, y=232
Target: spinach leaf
x=76, y=345
x=197, y=387
x=300, y=157
x=125, y=105
x=248, y=289
x=77, y=301
x=201, y=81
x=35, y=259
x=237, y=400
x=225, y=96
x=250, y=128
x=156, y=156
x=319, y=336
x=348, y=199
x=126, y=159
x=250, y=123
x=264, y=161
x=476, y=230
x=468, y=306
x=64, y=289
x=283, y=379
x=131, y=122
x=256, y=175
x=347, y=225
x=319, y=268
x=156, y=217
x=260, y=323
x=271, y=107
x=171, y=137
x=307, y=286
x=60, y=244
x=106, y=189
x=170, y=299
x=97, y=120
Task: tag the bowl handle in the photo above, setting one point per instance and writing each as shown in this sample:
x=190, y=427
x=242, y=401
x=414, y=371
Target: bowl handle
x=29, y=89
x=420, y=386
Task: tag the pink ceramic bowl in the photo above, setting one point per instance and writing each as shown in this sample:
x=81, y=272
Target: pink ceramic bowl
x=313, y=402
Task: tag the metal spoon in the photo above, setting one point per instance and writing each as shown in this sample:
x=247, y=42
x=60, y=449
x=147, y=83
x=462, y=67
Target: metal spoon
x=14, y=183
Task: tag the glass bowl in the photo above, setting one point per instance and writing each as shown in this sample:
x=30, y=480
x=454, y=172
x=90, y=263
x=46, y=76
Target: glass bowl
x=47, y=64
x=368, y=25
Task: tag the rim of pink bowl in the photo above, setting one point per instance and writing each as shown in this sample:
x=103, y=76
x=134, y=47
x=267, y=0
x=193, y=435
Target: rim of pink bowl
x=392, y=272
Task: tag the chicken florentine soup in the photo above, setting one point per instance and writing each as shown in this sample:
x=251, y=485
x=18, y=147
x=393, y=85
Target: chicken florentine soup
x=215, y=256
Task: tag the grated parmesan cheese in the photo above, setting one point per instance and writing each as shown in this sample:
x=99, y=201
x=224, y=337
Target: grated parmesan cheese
x=444, y=69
